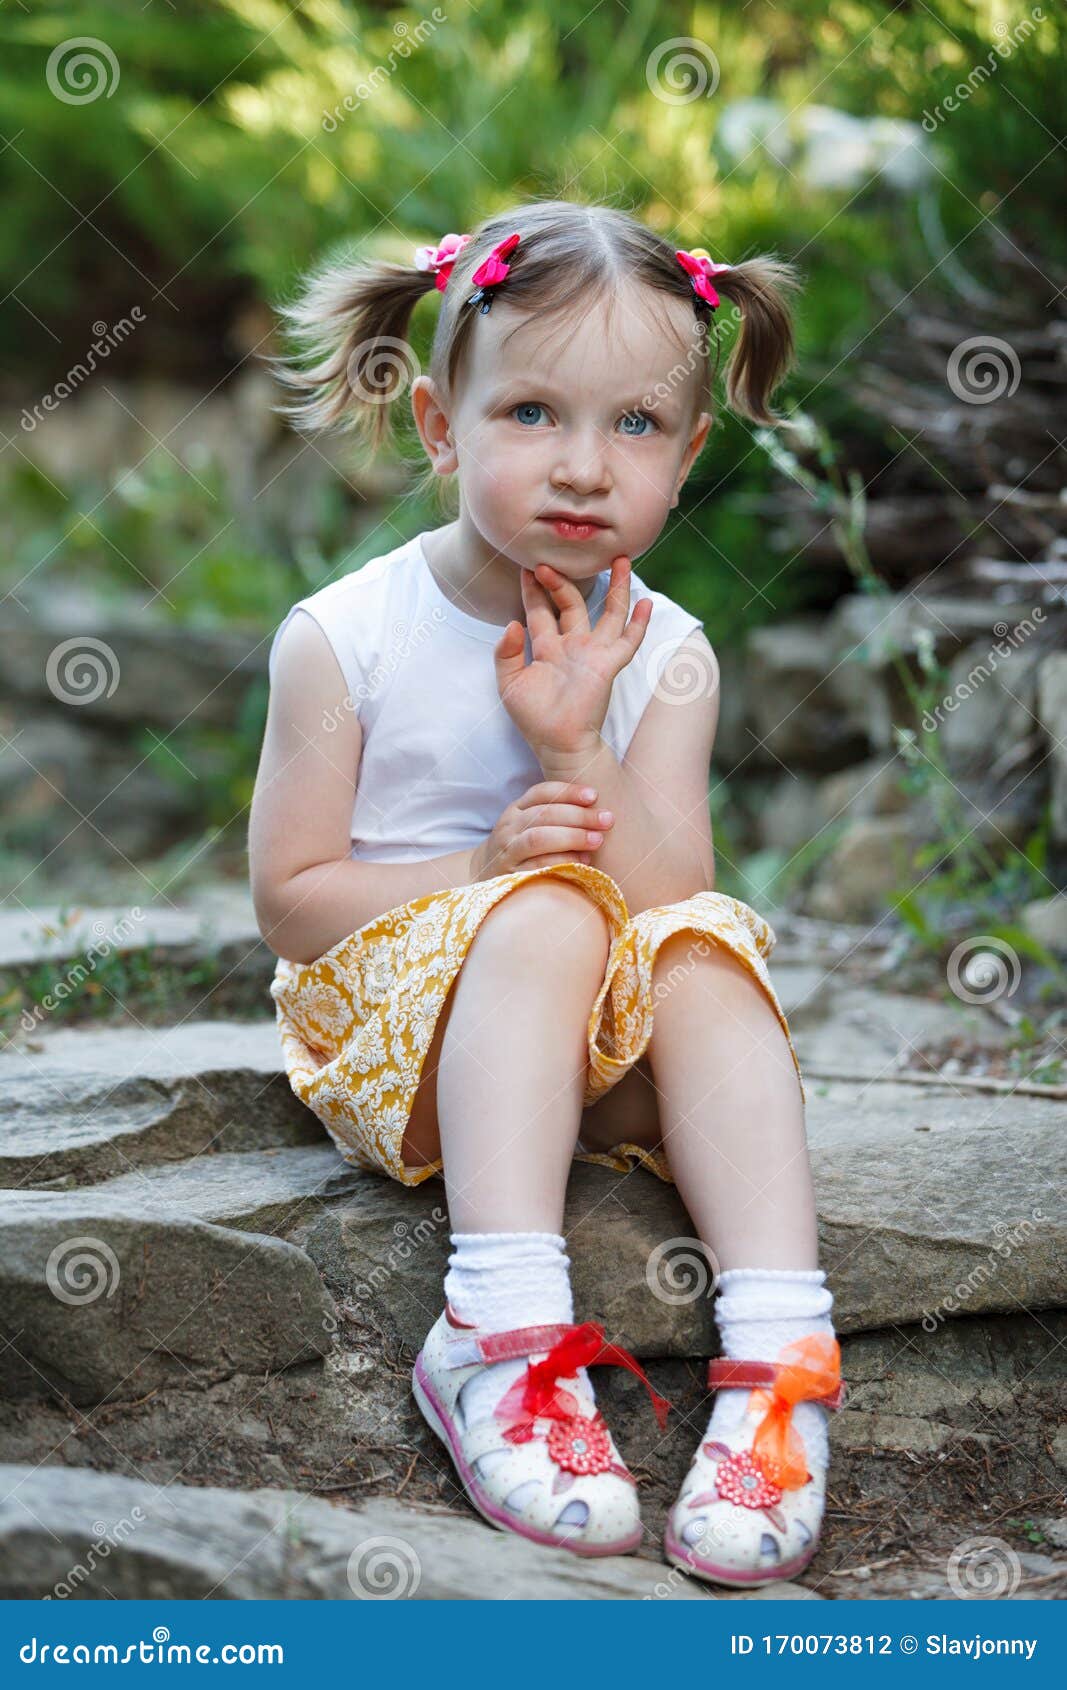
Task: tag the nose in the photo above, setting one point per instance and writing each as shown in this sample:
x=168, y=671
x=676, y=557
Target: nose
x=583, y=462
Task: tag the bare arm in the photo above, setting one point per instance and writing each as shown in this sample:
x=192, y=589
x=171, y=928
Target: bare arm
x=307, y=890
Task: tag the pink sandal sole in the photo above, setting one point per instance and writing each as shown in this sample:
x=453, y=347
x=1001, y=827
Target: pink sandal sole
x=687, y=1562
x=437, y=1418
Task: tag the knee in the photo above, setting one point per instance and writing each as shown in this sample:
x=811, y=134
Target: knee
x=687, y=954
x=549, y=918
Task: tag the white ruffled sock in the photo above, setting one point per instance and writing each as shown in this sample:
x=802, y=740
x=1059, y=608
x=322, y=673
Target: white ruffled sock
x=759, y=1310
x=500, y=1280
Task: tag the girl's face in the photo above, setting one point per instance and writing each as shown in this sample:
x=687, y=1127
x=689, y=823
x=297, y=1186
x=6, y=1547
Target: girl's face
x=596, y=419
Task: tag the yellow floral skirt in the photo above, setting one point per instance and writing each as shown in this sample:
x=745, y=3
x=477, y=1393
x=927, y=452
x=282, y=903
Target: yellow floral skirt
x=356, y=1023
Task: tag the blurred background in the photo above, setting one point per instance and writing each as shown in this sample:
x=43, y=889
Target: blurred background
x=884, y=584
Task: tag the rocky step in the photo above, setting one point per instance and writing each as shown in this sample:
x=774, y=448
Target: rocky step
x=80, y=1534
x=65, y=946
x=215, y=918
x=80, y=1105
x=106, y=1298
x=273, y=1191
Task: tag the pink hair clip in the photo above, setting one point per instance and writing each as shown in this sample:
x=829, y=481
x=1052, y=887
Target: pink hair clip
x=700, y=269
x=491, y=272
x=441, y=258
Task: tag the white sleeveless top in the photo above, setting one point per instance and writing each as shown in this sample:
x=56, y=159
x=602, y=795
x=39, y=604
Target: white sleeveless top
x=441, y=756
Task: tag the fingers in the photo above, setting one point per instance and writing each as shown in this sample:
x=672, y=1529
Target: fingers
x=572, y=607
x=541, y=839
x=561, y=791
x=616, y=600
x=613, y=627
x=637, y=627
x=540, y=617
x=509, y=655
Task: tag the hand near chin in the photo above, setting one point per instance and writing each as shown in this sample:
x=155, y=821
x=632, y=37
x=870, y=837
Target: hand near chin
x=559, y=699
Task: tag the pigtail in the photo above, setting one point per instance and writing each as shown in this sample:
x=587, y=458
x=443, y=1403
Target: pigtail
x=351, y=320
x=765, y=348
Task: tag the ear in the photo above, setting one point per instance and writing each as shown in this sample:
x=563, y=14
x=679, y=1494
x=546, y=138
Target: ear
x=434, y=426
x=692, y=451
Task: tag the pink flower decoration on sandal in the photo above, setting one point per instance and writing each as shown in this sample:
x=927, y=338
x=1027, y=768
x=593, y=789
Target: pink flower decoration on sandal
x=580, y=1444
x=739, y=1480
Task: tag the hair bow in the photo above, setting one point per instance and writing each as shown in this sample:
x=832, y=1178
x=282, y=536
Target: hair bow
x=699, y=266
x=491, y=272
x=441, y=258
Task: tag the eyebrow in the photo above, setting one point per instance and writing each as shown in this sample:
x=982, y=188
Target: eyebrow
x=531, y=384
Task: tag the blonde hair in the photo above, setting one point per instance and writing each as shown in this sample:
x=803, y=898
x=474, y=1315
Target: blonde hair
x=350, y=323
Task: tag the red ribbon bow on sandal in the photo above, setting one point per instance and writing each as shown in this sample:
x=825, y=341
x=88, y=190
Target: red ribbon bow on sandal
x=537, y=1392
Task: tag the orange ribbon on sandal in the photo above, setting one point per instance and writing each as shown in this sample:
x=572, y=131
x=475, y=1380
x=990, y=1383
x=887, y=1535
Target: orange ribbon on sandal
x=807, y=1369
x=537, y=1392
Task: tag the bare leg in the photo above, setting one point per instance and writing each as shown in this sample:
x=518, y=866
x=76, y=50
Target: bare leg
x=732, y=1114
x=510, y=1065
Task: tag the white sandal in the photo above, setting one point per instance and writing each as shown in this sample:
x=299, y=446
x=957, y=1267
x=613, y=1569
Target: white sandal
x=544, y=1463
x=741, y=1517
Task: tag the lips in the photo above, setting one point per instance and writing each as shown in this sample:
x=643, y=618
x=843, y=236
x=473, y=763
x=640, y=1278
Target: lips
x=570, y=516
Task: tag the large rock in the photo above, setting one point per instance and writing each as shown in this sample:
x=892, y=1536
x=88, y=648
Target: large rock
x=77, y=1105
x=94, y=1536
x=272, y=1190
x=126, y=669
x=103, y=1298
x=872, y=860
x=988, y=707
x=794, y=698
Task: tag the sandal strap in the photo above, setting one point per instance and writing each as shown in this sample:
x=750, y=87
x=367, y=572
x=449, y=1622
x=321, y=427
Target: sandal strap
x=758, y=1375
x=504, y=1346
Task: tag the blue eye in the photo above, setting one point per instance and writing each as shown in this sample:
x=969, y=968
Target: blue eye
x=637, y=416
x=528, y=405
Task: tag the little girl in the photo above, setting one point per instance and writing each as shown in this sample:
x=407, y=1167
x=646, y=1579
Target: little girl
x=481, y=850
